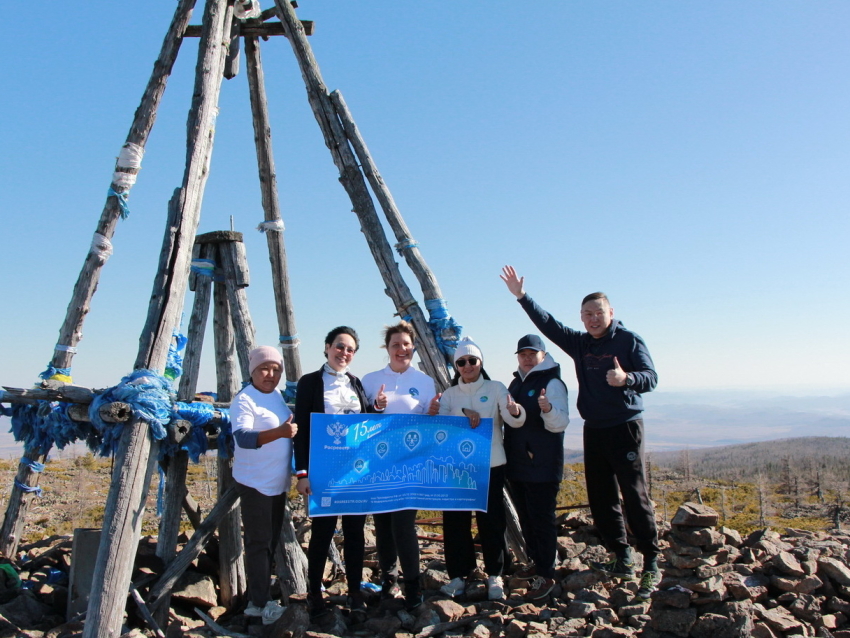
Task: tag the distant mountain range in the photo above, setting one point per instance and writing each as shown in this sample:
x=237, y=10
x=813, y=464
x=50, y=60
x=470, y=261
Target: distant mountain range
x=800, y=457
x=693, y=420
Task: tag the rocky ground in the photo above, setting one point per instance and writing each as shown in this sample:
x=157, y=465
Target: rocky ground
x=715, y=585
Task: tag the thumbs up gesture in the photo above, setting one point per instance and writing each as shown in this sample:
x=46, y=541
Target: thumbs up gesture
x=434, y=406
x=543, y=402
x=616, y=376
x=288, y=429
x=513, y=408
x=381, y=399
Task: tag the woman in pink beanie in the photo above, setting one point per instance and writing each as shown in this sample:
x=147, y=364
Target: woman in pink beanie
x=262, y=432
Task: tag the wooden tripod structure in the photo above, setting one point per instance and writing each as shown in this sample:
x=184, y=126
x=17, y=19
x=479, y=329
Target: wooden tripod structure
x=220, y=34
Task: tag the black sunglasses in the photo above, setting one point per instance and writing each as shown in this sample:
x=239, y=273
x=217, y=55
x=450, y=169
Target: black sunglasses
x=473, y=361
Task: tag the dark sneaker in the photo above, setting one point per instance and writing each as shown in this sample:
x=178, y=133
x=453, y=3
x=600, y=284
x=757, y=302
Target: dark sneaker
x=616, y=567
x=527, y=572
x=412, y=601
x=357, y=607
x=412, y=594
x=390, y=589
x=316, y=605
x=540, y=588
x=648, y=584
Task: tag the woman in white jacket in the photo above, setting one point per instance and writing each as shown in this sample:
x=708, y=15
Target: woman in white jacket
x=474, y=395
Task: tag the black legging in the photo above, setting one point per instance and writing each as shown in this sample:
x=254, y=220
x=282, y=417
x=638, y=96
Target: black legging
x=457, y=533
x=353, y=550
x=395, y=533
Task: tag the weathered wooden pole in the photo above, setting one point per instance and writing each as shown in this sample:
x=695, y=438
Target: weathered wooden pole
x=271, y=209
x=234, y=264
x=134, y=461
x=71, y=330
x=290, y=561
x=225, y=504
x=178, y=464
x=355, y=185
x=232, y=578
x=513, y=529
x=406, y=246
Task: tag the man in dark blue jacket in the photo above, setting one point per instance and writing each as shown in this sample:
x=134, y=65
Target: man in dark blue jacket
x=613, y=368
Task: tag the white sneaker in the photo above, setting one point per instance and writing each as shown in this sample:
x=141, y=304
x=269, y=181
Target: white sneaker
x=253, y=611
x=495, y=588
x=455, y=587
x=271, y=612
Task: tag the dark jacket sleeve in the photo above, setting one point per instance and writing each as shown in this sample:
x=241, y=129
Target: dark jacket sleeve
x=309, y=399
x=644, y=377
x=304, y=406
x=366, y=406
x=565, y=338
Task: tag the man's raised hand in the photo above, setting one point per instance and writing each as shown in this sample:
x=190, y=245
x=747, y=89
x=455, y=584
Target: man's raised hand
x=513, y=282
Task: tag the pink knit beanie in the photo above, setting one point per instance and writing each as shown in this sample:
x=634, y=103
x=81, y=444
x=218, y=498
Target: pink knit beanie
x=262, y=355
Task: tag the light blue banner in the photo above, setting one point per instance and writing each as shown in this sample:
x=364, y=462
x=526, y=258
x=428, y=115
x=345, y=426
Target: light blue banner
x=373, y=463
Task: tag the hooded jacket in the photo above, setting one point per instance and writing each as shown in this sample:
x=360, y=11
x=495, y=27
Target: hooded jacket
x=600, y=404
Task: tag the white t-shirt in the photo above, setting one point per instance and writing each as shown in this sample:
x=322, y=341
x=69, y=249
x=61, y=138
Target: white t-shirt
x=266, y=468
x=408, y=392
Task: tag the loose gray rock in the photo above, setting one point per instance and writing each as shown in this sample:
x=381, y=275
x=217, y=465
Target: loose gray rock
x=695, y=515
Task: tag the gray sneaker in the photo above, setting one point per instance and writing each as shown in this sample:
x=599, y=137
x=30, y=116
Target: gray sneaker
x=454, y=588
x=271, y=612
x=648, y=584
x=616, y=567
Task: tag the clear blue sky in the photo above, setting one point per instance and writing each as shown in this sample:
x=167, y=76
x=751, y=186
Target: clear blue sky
x=689, y=159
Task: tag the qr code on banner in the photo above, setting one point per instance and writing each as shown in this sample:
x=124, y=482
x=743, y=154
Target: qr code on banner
x=326, y=501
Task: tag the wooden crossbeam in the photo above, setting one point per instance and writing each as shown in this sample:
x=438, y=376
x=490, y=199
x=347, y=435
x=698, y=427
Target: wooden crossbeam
x=256, y=29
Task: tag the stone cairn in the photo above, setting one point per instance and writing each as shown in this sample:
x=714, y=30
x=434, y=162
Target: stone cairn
x=715, y=584
x=718, y=585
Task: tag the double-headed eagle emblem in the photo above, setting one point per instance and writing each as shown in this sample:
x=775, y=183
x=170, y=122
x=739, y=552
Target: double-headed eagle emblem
x=337, y=430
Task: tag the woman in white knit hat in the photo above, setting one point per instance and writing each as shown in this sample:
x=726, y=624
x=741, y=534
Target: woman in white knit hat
x=474, y=395
x=262, y=432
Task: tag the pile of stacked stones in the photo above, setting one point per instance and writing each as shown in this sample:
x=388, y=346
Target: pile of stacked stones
x=718, y=585
x=715, y=585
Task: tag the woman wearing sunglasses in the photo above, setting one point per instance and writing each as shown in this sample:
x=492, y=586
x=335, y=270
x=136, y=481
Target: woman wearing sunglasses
x=332, y=390
x=408, y=391
x=474, y=395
